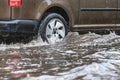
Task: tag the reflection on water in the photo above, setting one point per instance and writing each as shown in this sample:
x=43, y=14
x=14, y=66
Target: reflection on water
x=87, y=57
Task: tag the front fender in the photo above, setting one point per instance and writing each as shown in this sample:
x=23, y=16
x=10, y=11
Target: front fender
x=47, y=4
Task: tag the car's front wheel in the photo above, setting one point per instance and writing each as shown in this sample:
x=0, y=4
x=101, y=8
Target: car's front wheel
x=53, y=28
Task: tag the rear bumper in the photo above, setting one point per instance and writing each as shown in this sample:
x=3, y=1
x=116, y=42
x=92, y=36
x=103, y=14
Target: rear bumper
x=18, y=26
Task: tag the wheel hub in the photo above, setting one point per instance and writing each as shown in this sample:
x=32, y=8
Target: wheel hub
x=54, y=31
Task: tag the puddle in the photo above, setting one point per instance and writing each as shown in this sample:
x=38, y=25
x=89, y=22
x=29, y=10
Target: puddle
x=78, y=57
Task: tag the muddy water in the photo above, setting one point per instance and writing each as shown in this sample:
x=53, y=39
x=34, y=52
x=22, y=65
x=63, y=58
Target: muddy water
x=78, y=57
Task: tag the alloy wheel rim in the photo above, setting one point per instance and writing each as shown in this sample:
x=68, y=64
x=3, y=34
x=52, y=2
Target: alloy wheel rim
x=55, y=30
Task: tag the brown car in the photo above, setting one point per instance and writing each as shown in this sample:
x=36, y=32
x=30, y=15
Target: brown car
x=52, y=19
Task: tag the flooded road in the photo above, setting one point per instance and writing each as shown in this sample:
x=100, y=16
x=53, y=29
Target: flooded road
x=78, y=57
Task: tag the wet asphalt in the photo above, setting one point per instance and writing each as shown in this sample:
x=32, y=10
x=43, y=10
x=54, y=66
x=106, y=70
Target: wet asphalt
x=78, y=57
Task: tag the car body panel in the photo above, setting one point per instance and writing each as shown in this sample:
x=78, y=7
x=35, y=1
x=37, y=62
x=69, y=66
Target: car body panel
x=97, y=12
x=37, y=8
x=26, y=11
x=118, y=14
x=82, y=14
x=97, y=15
x=5, y=12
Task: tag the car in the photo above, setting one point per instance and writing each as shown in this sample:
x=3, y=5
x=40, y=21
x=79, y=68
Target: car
x=53, y=19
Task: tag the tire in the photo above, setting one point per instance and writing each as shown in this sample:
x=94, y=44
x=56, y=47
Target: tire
x=53, y=28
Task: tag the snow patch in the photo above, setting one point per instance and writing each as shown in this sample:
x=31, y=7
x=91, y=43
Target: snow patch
x=104, y=70
x=69, y=51
x=90, y=72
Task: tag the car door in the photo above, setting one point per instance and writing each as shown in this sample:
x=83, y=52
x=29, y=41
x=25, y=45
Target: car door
x=4, y=10
x=100, y=13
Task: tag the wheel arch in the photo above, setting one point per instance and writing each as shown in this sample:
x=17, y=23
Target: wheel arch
x=58, y=10
x=61, y=9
